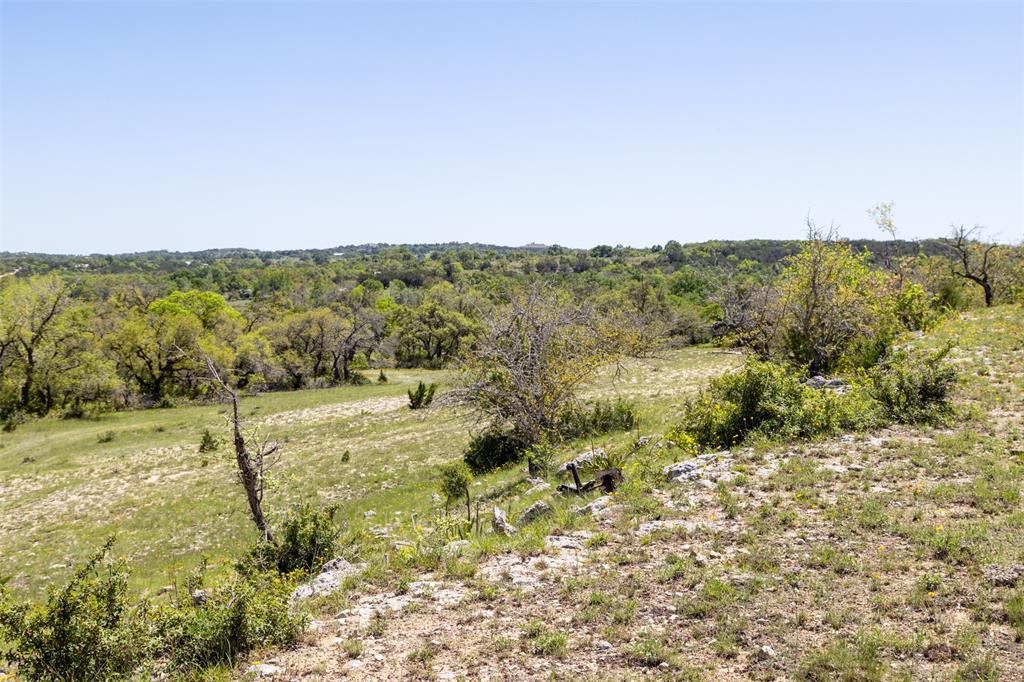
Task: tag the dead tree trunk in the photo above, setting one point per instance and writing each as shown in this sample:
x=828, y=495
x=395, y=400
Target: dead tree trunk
x=248, y=474
x=252, y=457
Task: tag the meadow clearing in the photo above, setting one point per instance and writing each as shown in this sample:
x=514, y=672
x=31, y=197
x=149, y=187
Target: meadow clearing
x=66, y=485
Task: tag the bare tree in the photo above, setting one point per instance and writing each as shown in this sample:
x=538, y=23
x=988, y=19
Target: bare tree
x=254, y=457
x=971, y=259
x=527, y=370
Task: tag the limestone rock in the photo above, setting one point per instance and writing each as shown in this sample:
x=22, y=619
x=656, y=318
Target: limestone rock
x=500, y=522
x=534, y=511
x=330, y=578
x=1004, y=576
x=596, y=507
x=263, y=670
x=581, y=459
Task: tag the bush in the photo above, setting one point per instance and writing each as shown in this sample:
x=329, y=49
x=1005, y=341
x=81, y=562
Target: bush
x=242, y=614
x=764, y=399
x=382, y=378
x=307, y=540
x=422, y=396
x=86, y=630
x=602, y=417
x=913, y=388
x=455, y=480
x=492, y=449
x=357, y=379
x=208, y=443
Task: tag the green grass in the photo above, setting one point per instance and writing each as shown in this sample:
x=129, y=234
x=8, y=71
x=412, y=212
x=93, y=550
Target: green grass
x=66, y=485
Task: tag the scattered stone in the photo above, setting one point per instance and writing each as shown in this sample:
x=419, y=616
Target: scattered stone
x=354, y=664
x=500, y=522
x=369, y=514
x=330, y=578
x=712, y=466
x=596, y=507
x=263, y=670
x=164, y=590
x=534, y=511
x=821, y=383
x=683, y=470
x=581, y=459
x=1004, y=576
x=200, y=597
x=540, y=486
x=648, y=527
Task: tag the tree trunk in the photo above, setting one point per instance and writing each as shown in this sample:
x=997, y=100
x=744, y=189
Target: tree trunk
x=247, y=476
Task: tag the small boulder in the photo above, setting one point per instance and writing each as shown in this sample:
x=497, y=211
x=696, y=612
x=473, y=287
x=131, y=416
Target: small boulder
x=539, y=486
x=581, y=459
x=500, y=523
x=596, y=507
x=1004, y=576
x=331, y=576
x=534, y=511
x=262, y=670
x=200, y=597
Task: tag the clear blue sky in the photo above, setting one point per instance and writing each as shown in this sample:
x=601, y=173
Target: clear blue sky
x=139, y=125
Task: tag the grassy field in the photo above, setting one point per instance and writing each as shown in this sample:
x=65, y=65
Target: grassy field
x=66, y=485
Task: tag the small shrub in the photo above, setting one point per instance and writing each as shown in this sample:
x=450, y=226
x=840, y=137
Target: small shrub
x=1014, y=609
x=540, y=459
x=382, y=378
x=977, y=670
x=307, y=540
x=357, y=379
x=765, y=399
x=208, y=443
x=648, y=651
x=913, y=388
x=86, y=630
x=106, y=437
x=421, y=396
x=242, y=614
x=492, y=449
x=602, y=417
x=842, y=662
x=541, y=641
x=455, y=480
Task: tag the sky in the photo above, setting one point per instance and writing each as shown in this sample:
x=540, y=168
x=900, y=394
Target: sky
x=137, y=125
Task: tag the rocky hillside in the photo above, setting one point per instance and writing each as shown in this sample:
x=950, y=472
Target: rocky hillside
x=896, y=554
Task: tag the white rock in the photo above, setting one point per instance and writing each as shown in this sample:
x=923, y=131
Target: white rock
x=263, y=670
x=500, y=523
x=596, y=507
x=330, y=578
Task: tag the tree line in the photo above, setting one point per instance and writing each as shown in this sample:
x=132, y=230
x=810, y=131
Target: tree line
x=120, y=332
